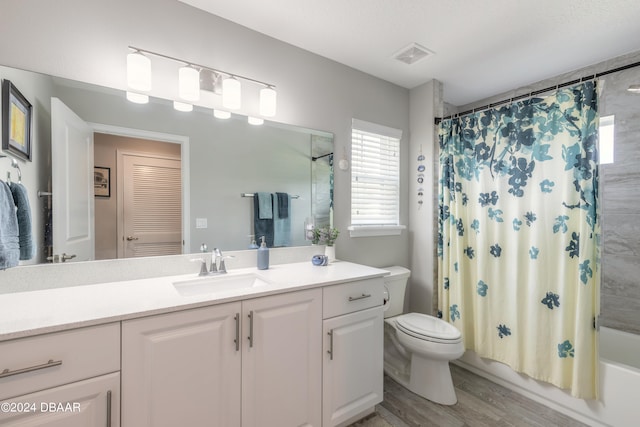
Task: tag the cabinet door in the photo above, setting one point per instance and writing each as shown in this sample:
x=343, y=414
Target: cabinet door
x=88, y=403
x=281, y=361
x=352, y=364
x=182, y=369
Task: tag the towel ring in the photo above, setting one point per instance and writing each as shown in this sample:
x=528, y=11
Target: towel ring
x=14, y=164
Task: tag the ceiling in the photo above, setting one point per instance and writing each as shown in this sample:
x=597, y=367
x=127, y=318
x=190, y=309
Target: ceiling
x=481, y=47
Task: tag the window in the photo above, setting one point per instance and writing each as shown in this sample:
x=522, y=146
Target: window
x=606, y=139
x=375, y=179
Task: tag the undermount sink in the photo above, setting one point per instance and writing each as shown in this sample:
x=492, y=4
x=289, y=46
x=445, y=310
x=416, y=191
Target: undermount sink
x=218, y=283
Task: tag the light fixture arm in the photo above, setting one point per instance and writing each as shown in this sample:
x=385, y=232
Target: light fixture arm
x=202, y=67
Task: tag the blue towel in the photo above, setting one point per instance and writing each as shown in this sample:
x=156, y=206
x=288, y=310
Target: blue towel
x=283, y=205
x=9, y=242
x=262, y=227
x=21, y=200
x=265, y=206
x=281, y=224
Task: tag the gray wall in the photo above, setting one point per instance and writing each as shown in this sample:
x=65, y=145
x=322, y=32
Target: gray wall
x=77, y=39
x=620, y=205
x=35, y=177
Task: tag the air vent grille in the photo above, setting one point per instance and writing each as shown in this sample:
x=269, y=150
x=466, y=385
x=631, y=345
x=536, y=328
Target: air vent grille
x=412, y=53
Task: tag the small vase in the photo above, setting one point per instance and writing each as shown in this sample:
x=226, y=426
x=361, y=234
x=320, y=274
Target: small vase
x=330, y=252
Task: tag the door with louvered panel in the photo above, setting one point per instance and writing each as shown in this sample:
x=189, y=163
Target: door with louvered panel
x=151, y=214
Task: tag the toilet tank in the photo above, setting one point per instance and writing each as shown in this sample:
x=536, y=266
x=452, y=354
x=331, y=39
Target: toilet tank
x=396, y=284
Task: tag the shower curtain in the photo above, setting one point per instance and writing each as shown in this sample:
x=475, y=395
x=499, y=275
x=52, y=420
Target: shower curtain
x=518, y=235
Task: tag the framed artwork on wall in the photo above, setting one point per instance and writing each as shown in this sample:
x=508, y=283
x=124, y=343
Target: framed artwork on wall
x=16, y=121
x=102, y=181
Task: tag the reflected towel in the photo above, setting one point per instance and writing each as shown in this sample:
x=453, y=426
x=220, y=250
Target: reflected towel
x=265, y=206
x=261, y=227
x=283, y=205
x=21, y=200
x=9, y=242
x=281, y=224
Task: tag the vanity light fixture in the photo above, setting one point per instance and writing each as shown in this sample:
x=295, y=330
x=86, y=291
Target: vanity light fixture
x=181, y=106
x=634, y=88
x=255, y=121
x=137, y=98
x=231, y=93
x=189, y=83
x=138, y=71
x=194, y=78
x=221, y=114
x=268, y=102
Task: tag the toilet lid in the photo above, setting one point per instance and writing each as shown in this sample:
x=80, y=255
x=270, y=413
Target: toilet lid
x=427, y=326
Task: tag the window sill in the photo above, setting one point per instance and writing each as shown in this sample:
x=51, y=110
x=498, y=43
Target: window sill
x=375, y=230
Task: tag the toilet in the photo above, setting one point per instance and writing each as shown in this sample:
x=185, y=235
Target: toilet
x=418, y=347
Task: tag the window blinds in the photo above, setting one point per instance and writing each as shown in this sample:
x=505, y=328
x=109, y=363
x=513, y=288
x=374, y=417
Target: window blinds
x=375, y=174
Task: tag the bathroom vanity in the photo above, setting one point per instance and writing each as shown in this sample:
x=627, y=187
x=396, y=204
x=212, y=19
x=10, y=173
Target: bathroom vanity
x=292, y=345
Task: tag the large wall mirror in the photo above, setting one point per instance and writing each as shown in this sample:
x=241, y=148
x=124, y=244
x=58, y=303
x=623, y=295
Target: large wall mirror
x=214, y=165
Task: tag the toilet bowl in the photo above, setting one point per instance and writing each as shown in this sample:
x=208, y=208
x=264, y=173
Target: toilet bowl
x=418, y=347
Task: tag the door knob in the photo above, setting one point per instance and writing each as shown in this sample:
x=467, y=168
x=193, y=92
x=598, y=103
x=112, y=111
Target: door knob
x=130, y=238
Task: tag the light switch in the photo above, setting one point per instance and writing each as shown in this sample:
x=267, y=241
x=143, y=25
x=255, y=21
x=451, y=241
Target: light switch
x=201, y=222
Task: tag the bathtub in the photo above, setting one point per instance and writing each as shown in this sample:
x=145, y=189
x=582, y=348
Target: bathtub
x=618, y=405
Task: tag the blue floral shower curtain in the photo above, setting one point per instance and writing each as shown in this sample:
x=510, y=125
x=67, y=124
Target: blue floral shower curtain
x=519, y=233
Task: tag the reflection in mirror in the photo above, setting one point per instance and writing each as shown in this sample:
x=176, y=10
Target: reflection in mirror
x=212, y=162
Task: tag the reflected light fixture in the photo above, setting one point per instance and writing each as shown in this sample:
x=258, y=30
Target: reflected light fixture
x=634, y=88
x=221, y=114
x=189, y=83
x=137, y=98
x=181, y=106
x=268, y=101
x=255, y=121
x=231, y=93
x=138, y=71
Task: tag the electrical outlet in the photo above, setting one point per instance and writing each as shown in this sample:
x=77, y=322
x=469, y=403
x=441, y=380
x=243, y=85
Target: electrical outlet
x=201, y=222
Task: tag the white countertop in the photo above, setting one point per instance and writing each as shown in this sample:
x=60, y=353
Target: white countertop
x=31, y=313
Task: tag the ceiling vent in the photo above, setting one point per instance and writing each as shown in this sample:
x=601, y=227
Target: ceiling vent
x=412, y=53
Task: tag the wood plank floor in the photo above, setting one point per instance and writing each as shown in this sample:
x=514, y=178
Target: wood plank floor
x=480, y=403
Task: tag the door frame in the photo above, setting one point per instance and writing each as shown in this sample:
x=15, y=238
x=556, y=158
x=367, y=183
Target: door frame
x=184, y=162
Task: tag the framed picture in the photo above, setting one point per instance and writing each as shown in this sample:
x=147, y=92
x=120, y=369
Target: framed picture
x=16, y=121
x=102, y=181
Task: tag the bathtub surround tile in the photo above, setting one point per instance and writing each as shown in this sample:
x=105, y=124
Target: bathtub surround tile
x=480, y=403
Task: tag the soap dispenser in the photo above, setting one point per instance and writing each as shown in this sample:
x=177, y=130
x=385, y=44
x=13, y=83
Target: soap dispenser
x=253, y=244
x=263, y=255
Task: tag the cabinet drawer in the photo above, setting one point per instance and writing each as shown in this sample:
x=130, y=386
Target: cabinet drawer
x=40, y=362
x=353, y=296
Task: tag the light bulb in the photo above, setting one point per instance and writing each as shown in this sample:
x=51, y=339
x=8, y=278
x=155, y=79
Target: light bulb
x=256, y=121
x=268, y=102
x=138, y=71
x=181, y=106
x=221, y=114
x=231, y=93
x=189, y=83
x=138, y=98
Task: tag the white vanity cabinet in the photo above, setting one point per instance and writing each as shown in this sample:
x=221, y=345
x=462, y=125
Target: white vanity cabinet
x=62, y=379
x=250, y=363
x=352, y=350
x=182, y=369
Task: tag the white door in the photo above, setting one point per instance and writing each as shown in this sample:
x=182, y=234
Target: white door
x=281, y=361
x=182, y=369
x=72, y=185
x=353, y=365
x=150, y=220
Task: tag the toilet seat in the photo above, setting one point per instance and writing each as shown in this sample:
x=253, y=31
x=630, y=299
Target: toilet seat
x=428, y=328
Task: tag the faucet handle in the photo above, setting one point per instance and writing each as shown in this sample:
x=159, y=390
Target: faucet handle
x=223, y=267
x=203, y=266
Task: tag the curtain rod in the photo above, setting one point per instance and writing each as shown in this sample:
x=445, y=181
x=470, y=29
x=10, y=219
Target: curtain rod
x=537, y=92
